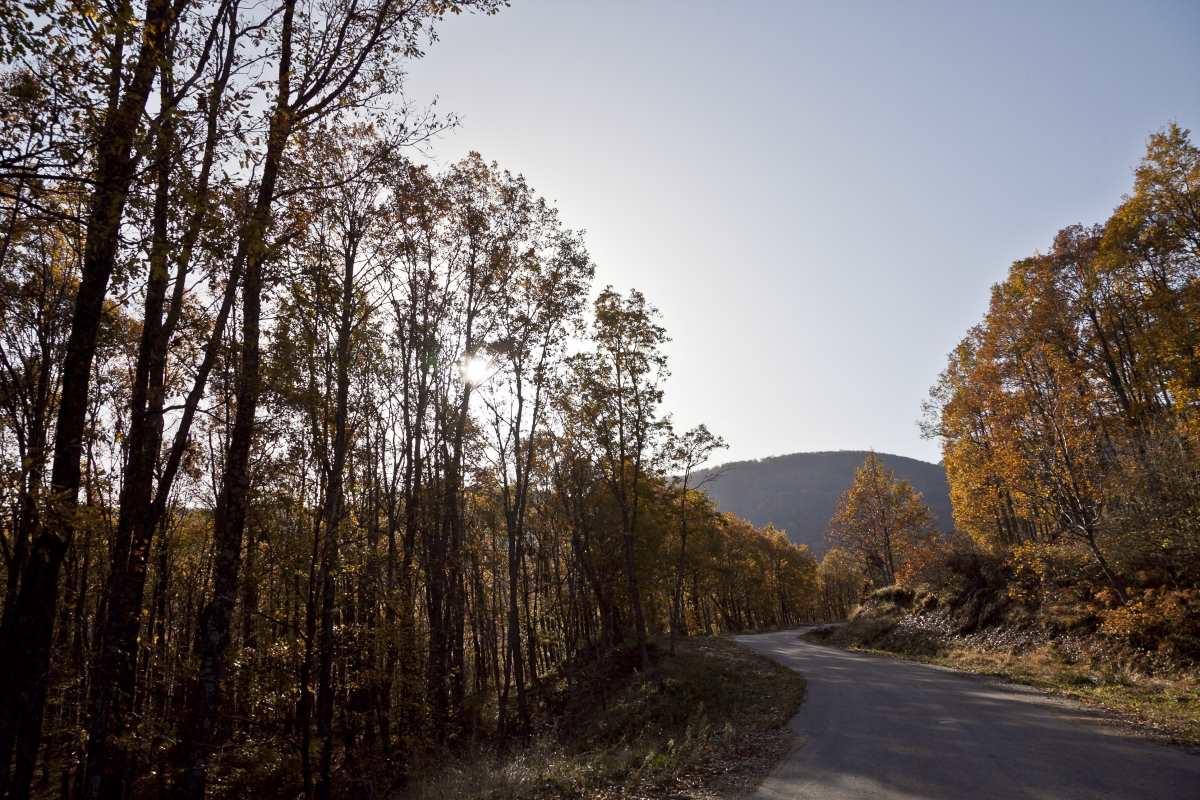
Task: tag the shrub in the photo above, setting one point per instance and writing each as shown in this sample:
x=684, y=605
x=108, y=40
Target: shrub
x=898, y=596
x=1053, y=571
x=1159, y=619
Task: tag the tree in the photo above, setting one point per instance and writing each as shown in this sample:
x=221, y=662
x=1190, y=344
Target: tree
x=341, y=257
x=879, y=521
x=351, y=469
x=142, y=505
x=1067, y=416
x=546, y=271
x=841, y=583
x=28, y=630
x=685, y=454
x=619, y=386
x=329, y=61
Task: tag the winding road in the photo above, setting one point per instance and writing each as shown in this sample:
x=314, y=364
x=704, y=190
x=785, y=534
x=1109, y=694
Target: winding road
x=878, y=728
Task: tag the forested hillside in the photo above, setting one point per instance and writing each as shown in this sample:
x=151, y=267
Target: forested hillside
x=320, y=464
x=797, y=492
x=1070, y=415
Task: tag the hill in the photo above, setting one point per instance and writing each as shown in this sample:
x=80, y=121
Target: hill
x=797, y=492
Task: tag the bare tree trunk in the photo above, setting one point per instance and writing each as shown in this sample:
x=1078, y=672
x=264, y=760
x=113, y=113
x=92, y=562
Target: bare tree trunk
x=333, y=513
x=677, y=623
x=201, y=733
x=29, y=631
x=635, y=596
x=514, y=633
x=108, y=755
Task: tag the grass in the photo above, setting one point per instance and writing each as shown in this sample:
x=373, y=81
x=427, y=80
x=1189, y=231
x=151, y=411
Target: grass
x=705, y=723
x=1167, y=707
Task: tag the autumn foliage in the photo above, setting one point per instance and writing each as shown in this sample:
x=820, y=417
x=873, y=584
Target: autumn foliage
x=1070, y=416
x=883, y=524
x=317, y=461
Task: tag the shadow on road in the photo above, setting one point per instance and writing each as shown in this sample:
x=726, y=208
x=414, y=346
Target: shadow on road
x=878, y=728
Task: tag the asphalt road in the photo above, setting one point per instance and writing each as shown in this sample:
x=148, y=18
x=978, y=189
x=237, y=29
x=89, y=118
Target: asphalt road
x=879, y=728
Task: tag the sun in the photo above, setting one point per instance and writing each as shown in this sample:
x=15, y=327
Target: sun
x=475, y=369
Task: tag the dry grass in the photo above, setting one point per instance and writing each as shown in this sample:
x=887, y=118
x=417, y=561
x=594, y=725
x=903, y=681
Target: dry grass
x=706, y=723
x=1166, y=707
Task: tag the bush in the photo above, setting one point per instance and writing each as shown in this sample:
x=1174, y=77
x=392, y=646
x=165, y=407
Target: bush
x=1043, y=573
x=898, y=596
x=1164, y=620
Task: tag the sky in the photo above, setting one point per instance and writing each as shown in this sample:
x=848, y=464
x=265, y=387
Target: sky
x=817, y=196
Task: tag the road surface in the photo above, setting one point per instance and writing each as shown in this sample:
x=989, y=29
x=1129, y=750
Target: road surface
x=878, y=728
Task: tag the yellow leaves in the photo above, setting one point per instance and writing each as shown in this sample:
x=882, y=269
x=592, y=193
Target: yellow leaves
x=1151, y=613
x=883, y=522
x=1071, y=414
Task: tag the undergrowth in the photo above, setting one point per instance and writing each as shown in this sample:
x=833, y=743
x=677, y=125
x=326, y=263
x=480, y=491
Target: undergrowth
x=703, y=723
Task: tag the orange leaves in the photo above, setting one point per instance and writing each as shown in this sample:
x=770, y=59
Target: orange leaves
x=1167, y=620
x=1070, y=413
x=882, y=522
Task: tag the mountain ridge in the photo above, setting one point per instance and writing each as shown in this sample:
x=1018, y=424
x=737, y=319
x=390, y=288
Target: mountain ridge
x=797, y=492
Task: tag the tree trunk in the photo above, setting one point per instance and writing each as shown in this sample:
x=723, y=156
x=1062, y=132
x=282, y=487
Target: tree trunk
x=26, y=639
x=677, y=624
x=635, y=597
x=108, y=755
x=201, y=733
x=333, y=513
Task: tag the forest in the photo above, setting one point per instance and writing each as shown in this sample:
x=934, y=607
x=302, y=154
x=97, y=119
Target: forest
x=1070, y=415
x=799, y=492
x=324, y=463
x=318, y=460
x=1070, y=424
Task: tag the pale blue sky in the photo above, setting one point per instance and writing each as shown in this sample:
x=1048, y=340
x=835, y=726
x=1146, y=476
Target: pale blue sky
x=816, y=195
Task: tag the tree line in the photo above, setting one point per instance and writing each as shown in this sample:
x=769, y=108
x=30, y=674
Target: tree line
x=315, y=458
x=1070, y=425
x=1070, y=415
